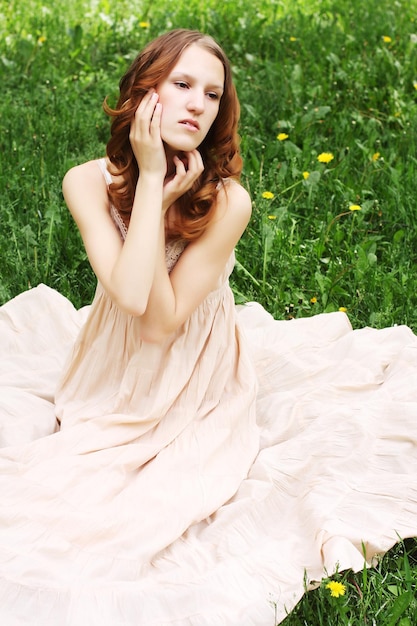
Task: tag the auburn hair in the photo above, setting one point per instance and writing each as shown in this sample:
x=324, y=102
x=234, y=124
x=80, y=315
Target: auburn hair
x=219, y=150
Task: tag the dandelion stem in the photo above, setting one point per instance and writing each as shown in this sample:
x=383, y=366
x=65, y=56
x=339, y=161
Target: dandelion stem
x=280, y=193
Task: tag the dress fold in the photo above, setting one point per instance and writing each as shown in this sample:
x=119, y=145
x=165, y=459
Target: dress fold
x=201, y=481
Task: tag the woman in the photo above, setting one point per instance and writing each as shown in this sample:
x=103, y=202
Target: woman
x=207, y=460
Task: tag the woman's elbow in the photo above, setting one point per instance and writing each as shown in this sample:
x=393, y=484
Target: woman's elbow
x=152, y=334
x=134, y=307
x=148, y=333
x=153, y=330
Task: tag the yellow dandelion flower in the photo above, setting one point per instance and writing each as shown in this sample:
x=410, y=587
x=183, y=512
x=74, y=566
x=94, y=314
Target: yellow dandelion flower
x=293, y=38
x=41, y=40
x=325, y=157
x=313, y=300
x=415, y=84
x=386, y=39
x=376, y=156
x=343, y=309
x=336, y=589
x=144, y=24
x=355, y=207
x=306, y=175
x=272, y=217
x=268, y=195
x=282, y=136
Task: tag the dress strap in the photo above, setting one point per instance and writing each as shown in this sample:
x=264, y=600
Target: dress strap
x=103, y=166
x=116, y=217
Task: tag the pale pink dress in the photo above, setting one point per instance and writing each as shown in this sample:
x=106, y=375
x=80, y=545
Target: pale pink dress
x=201, y=481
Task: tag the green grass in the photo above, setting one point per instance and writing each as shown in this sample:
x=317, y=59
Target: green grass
x=382, y=596
x=319, y=71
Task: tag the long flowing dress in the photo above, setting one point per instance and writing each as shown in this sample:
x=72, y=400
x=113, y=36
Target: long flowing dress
x=202, y=481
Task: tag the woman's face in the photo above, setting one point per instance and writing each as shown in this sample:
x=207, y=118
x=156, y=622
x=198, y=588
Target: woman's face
x=190, y=97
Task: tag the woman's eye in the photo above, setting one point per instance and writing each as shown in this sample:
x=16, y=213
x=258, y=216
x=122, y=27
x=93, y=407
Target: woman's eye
x=181, y=84
x=213, y=95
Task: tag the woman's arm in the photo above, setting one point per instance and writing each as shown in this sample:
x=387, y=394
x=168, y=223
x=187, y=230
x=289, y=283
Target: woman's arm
x=172, y=297
x=127, y=272
x=176, y=295
x=135, y=274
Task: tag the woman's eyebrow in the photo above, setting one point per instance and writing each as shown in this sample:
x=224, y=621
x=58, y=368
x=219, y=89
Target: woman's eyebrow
x=190, y=79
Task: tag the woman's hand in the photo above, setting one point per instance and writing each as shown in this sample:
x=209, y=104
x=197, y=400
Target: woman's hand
x=145, y=136
x=149, y=151
x=186, y=173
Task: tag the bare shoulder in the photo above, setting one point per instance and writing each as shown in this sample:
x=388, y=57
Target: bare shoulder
x=233, y=202
x=85, y=186
x=230, y=219
x=88, y=172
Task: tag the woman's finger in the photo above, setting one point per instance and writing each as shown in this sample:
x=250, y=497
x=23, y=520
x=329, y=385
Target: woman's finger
x=155, y=123
x=180, y=168
x=145, y=112
x=195, y=162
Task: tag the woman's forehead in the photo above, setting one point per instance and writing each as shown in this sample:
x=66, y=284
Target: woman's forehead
x=198, y=62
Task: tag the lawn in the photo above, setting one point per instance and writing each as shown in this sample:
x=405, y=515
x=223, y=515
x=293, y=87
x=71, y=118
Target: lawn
x=329, y=116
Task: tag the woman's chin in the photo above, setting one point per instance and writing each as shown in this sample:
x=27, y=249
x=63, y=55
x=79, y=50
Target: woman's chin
x=177, y=144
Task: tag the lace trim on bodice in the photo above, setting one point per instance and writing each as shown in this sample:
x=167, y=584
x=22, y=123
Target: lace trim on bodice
x=173, y=249
x=117, y=219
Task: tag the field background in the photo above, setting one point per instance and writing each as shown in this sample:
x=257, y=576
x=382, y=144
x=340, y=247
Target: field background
x=335, y=77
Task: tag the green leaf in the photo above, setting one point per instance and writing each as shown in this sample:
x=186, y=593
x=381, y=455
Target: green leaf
x=393, y=589
x=404, y=621
x=398, y=608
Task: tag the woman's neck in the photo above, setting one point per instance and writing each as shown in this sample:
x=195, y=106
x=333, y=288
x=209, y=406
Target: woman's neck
x=170, y=154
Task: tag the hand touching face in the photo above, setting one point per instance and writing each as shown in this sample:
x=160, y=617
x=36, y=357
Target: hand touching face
x=147, y=145
x=181, y=111
x=190, y=98
x=145, y=136
x=186, y=173
x=175, y=119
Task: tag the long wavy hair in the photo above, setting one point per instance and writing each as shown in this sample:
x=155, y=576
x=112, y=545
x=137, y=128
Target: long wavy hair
x=219, y=150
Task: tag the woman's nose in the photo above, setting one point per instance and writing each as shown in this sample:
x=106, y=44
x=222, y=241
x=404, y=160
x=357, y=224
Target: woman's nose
x=196, y=102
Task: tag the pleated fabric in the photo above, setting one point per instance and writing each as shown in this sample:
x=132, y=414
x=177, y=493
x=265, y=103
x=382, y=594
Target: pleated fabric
x=203, y=481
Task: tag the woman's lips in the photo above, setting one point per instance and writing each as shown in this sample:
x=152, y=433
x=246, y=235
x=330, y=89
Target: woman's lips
x=191, y=125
